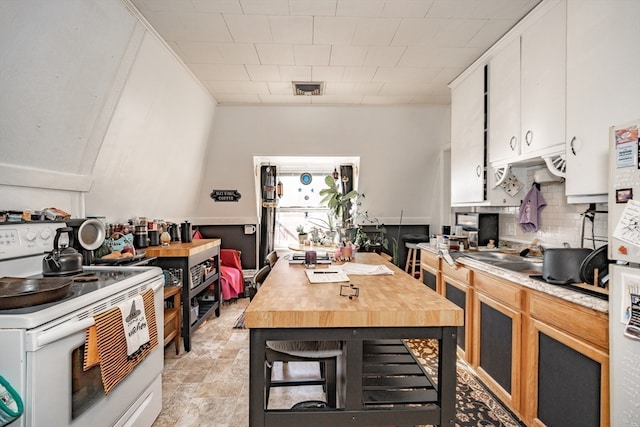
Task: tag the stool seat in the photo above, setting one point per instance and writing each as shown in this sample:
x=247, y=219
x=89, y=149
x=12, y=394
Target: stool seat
x=413, y=261
x=415, y=238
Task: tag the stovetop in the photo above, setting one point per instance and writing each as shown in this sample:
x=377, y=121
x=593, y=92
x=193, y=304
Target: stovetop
x=111, y=281
x=77, y=288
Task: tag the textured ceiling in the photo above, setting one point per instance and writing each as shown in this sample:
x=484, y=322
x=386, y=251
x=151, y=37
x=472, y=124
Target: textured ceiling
x=388, y=52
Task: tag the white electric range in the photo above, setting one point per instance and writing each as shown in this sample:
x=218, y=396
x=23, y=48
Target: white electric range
x=42, y=345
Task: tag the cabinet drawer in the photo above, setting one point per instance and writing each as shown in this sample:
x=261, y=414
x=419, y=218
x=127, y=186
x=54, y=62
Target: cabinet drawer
x=581, y=322
x=499, y=290
x=429, y=258
x=462, y=273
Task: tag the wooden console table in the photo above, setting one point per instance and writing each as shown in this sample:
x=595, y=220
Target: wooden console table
x=189, y=259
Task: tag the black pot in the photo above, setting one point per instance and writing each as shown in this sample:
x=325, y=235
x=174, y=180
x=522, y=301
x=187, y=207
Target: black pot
x=561, y=266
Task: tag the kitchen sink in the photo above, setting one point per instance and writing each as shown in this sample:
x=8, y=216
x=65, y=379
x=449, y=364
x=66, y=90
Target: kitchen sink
x=510, y=262
x=521, y=266
x=494, y=257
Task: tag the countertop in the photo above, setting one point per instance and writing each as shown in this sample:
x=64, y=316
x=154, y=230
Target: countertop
x=524, y=280
x=177, y=249
x=287, y=300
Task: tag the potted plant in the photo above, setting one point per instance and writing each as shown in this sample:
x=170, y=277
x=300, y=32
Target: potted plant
x=328, y=226
x=302, y=235
x=339, y=204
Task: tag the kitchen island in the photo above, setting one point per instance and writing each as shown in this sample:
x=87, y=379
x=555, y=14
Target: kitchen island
x=388, y=307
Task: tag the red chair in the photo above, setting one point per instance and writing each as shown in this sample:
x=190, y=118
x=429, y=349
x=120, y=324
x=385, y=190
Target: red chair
x=231, y=277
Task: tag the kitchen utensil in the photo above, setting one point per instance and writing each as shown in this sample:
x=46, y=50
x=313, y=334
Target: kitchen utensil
x=154, y=238
x=62, y=260
x=91, y=234
x=18, y=292
x=596, y=259
x=561, y=266
x=185, y=232
x=174, y=231
x=141, y=237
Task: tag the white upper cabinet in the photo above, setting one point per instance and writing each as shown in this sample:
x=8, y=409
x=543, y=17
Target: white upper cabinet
x=603, y=86
x=543, y=70
x=467, y=139
x=504, y=103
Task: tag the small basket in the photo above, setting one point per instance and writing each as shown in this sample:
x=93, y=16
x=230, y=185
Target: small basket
x=197, y=275
x=172, y=277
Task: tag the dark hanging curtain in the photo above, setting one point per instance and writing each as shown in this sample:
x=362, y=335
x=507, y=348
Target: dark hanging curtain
x=268, y=210
x=346, y=174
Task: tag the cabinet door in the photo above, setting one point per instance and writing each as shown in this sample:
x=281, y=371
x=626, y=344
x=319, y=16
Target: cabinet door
x=504, y=103
x=568, y=380
x=543, y=81
x=467, y=139
x=603, y=85
x=497, y=354
x=460, y=294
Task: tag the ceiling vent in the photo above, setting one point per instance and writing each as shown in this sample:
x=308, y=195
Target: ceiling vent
x=308, y=88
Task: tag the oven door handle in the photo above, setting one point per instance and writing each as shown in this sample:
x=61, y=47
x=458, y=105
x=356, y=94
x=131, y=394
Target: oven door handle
x=63, y=331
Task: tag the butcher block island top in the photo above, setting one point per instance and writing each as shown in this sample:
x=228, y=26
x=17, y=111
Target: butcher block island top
x=287, y=300
x=177, y=249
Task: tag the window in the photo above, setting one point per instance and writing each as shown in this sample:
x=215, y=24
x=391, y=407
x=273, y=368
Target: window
x=302, y=179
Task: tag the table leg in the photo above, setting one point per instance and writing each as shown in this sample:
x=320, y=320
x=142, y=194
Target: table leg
x=447, y=376
x=257, y=404
x=353, y=380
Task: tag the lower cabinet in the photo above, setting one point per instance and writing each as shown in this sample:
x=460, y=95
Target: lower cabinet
x=546, y=358
x=456, y=288
x=430, y=266
x=497, y=337
x=568, y=377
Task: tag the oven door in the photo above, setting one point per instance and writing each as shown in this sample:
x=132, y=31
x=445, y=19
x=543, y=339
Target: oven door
x=60, y=393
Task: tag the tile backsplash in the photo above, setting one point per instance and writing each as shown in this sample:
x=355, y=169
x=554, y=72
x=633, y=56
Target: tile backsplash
x=560, y=222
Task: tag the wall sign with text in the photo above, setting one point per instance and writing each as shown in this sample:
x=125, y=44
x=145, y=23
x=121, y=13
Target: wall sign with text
x=225, y=195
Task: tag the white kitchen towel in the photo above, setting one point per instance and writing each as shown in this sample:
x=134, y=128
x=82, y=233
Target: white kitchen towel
x=365, y=269
x=532, y=205
x=134, y=321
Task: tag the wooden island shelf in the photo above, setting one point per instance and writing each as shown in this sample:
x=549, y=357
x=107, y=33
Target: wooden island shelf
x=191, y=260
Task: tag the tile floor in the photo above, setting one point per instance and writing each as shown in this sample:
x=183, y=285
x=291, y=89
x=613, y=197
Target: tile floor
x=209, y=386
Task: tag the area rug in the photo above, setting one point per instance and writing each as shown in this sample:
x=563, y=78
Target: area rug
x=475, y=405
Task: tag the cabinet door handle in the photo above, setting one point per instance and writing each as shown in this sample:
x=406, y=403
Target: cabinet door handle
x=478, y=170
x=512, y=143
x=573, y=150
x=528, y=137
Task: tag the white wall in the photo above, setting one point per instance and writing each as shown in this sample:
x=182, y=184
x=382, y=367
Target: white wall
x=152, y=158
x=399, y=149
x=98, y=116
